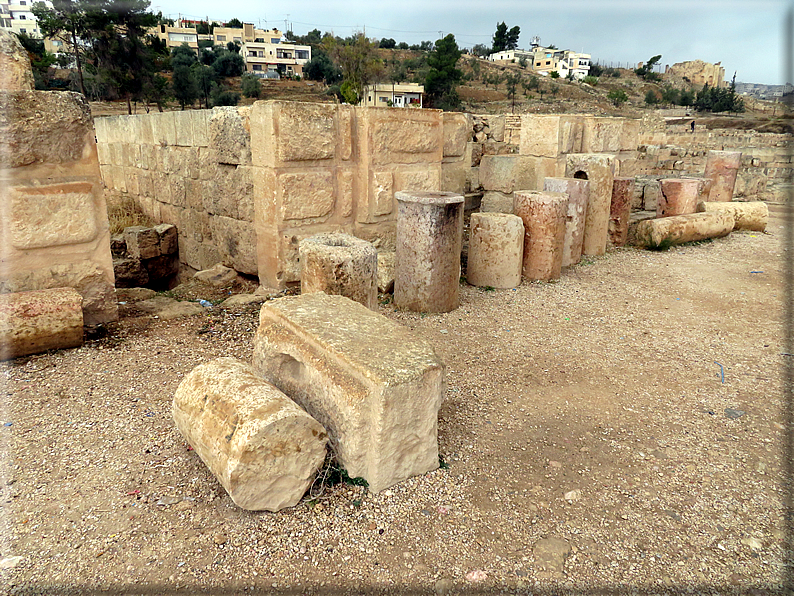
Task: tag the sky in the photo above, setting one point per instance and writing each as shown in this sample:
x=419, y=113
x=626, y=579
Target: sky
x=746, y=36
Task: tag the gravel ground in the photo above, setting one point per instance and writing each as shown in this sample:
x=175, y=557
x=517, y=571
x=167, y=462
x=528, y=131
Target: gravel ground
x=589, y=437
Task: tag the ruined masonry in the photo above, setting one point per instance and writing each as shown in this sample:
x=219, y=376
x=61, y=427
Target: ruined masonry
x=374, y=385
x=54, y=230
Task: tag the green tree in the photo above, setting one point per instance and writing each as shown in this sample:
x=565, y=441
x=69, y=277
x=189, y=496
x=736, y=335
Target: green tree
x=357, y=59
x=512, y=81
x=651, y=97
x=671, y=95
x=40, y=59
x=156, y=90
x=512, y=38
x=402, y=45
x=205, y=79
x=235, y=24
x=499, y=41
x=443, y=77
x=646, y=71
x=228, y=64
x=618, y=97
x=65, y=20
x=183, y=56
x=554, y=74
x=184, y=86
x=387, y=44
x=320, y=68
x=250, y=85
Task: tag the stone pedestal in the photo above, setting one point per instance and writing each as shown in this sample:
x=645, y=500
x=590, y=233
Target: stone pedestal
x=261, y=446
x=340, y=264
x=578, y=192
x=752, y=216
x=544, y=216
x=41, y=320
x=429, y=238
x=679, y=197
x=496, y=247
x=722, y=168
x=371, y=382
x=599, y=169
x=620, y=210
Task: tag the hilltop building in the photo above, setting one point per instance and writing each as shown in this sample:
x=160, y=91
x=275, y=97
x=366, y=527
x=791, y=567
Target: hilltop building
x=546, y=60
x=17, y=18
x=398, y=95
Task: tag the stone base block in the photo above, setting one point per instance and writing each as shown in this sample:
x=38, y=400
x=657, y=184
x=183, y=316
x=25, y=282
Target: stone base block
x=340, y=264
x=496, y=248
x=656, y=233
x=41, y=320
x=752, y=215
x=369, y=381
x=262, y=448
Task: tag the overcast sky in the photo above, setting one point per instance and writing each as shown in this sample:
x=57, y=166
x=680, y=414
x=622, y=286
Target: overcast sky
x=745, y=36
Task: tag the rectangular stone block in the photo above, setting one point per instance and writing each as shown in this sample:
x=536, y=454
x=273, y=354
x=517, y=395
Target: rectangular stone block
x=183, y=123
x=229, y=135
x=236, y=242
x=147, y=136
x=602, y=134
x=549, y=136
x=630, y=135
x=284, y=132
x=453, y=177
x=52, y=215
x=306, y=195
x=103, y=153
x=457, y=132
x=199, y=120
x=400, y=136
x=163, y=128
x=373, y=384
x=41, y=320
x=345, y=192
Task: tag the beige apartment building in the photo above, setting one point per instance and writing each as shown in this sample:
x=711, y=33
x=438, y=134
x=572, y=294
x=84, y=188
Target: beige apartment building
x=17, y=18
x=545, y=60
x=398, y=95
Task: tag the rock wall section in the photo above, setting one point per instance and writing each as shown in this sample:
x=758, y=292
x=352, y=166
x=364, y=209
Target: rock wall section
x=54, y=230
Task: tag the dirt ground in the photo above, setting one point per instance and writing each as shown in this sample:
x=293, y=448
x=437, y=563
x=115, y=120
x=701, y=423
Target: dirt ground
x=619, y=429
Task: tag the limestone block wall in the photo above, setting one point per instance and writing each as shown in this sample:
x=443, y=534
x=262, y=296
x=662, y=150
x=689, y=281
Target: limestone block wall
x=673, y=150
x=191, y=169
x=54, y=225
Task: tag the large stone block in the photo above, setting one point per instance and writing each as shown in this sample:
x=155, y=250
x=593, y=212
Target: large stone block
x=400, y=136
x=236, y=242
x=41, y=320
x=306, y=195
x=230, y=135
x=45, y=127
x=602, y=134
x=373, y=384
x=262, y=448
x=142, y=242
x=499, y=172
x=52, y=215
x=163, y=128
x=284, y=132
x=454, y=177
x=457, y=131
x=15, y=70
x=550, y=136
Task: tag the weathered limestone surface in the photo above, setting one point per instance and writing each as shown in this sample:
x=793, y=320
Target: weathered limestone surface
x=54, y=232
x=429, y=241
x=496, y=248
x=15, y=70
x=550, y=136
x=684, y=228
x=620, y=210
x=598, y=168
x=41, y=320
x=578, y=193
x=374, y=385
x=544, y=214
x=494, y=201
x=262, y=448
x=751, y=215
x=340, y=264
x=722, y=168
x=679, y=196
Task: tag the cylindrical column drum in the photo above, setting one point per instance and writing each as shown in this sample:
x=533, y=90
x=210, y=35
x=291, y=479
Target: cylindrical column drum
x=429, y=238
x=578, y=192
x=679, y=197
x=544, y=216
x=496, y=248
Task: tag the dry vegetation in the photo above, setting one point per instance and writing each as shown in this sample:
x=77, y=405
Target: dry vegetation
x=124, y=212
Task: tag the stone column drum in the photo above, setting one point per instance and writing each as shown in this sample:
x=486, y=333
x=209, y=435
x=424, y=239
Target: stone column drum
x=496, y=248
x=599, y=169
x=340, y=264
x=722, y=168
x=429, y=239
x=679, y=197
x=260, y=445
x=578, y=192
x=544, y=216
x=620, y=210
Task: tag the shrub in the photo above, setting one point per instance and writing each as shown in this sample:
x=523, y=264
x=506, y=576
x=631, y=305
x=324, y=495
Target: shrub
x=250, y=85
x=554, y=74
x=617, y=97
x=590, y=80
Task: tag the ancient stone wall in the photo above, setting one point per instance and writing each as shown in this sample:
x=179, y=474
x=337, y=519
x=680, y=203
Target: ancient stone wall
x=245, y=185
x=54, y=230
x=191, y=169
x=672, y=151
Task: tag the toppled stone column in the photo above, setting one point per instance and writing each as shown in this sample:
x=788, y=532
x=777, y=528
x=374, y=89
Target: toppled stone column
x=41, y=320
x=544, y=216
x=429, y=239
x=620, y=210
x=262, y=448
x=578, y=192
x=372, y=383
x=679, y=196
x=496, y=248
x=599, y=169
x=752, y=215
x=341, y=264
x=722, y=168
x=677, y=229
